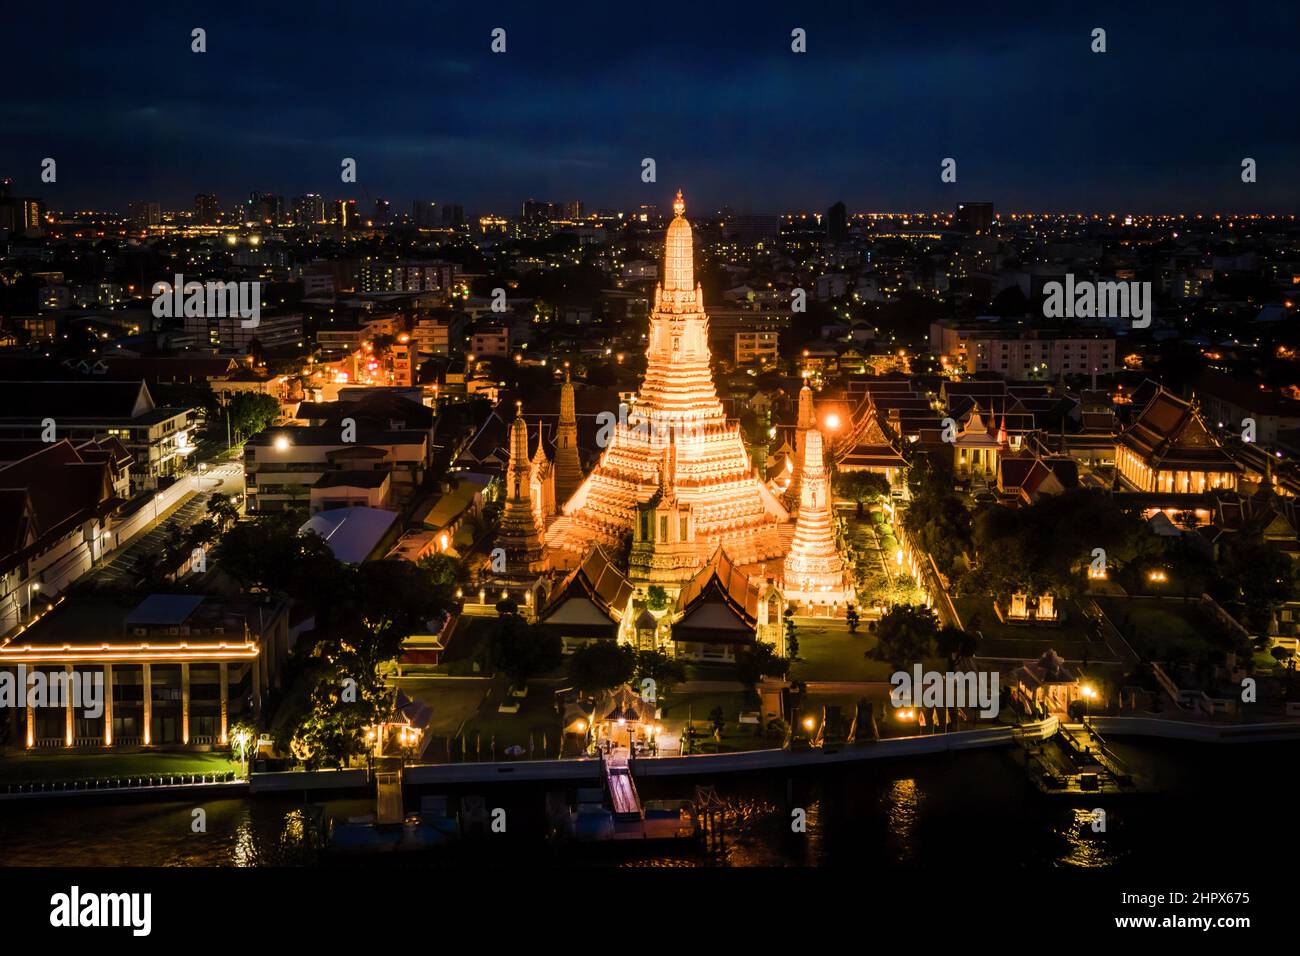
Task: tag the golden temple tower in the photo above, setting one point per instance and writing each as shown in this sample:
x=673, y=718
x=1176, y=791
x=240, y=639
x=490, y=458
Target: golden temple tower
x=675, y=444
x=568, y=467
x=520, y=535
x=814, y=569
x=804, y=424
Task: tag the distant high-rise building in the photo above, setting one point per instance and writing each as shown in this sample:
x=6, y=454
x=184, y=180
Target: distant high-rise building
x=265, y=209
x=144, y=214
x=309, y=209
x=537, y=211
x=974, y=218
x=837, y=223
x=383, y=212
x=424, y=214
x=19, y=215
x=207, y=209
x=345, y=213
x=453, y=214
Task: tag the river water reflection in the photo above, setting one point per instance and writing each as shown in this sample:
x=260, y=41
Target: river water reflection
x=974, y=809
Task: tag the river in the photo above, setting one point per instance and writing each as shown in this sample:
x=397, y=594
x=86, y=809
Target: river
x=971, y=809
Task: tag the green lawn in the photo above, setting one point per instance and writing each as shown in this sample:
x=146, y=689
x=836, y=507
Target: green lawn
x=34, y=768
x=1069, y=637
x=735, y=735
x=452, y=702
x=1154, y=626
x=831, y=653
x=536, y=719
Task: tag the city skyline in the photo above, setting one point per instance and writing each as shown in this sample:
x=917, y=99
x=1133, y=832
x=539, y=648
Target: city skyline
x=1034, y=118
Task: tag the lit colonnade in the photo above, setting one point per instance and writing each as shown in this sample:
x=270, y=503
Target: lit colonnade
x=154, y=685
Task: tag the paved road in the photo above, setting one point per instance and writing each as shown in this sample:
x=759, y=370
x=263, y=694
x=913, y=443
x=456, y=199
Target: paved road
x=224, y=477
x=122, y=567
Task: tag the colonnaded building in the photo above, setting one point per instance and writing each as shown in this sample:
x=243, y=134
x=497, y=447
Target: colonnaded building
x=674, y=489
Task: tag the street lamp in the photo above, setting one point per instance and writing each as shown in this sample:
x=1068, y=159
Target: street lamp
x=242, y=738
x=31, y=586
x=1088, y=692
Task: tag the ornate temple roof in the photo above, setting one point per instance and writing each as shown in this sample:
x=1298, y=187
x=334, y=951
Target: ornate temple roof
x=868, y=446
x=720, y=598
x=1170, y=433
x=1027, y=477
x=595, y=594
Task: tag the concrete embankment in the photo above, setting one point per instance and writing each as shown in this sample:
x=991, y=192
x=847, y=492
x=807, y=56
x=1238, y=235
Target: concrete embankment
x=187, y=791
x=705, y=765
x=319, y=782
x=326, y=784
x=1188, y=730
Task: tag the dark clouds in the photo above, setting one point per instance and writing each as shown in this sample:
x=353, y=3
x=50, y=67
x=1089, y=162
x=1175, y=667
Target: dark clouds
x=710, y=90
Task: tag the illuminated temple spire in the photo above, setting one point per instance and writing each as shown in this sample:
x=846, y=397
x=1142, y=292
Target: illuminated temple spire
x=677, y=445
x=814, y=570
x=520, y=535
x=803, y=425
x=678, y=383
x=568, y=467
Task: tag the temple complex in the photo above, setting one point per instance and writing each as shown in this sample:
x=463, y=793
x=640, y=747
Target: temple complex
x=676, y=492
x=675, y=476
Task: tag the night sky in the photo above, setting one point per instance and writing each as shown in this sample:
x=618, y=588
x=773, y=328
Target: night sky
x=710, y=90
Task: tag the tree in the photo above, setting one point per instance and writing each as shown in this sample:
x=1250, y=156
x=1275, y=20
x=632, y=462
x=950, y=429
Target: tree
x=602, y=665
x=905, y=634
x=851, y=618
x=1047, y=547
x=656, y=598
x=521, y=650
x=333, y=731
x=1286, y=658
x=251, y=412
x=202, y=532
x=955, y=644
x=861, y=486
x=758, y=661
x=446, y=574
x=657, y=666
x=390, y=600
x=269, y=554
x=937, y=518
x=223, y=510
x=1261, y=576
x=791, y=637
x=243, y=737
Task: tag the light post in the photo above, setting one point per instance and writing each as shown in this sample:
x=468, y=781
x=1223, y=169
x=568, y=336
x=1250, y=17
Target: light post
x=1088, y=692
x=241, y=739
x=31, y=586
